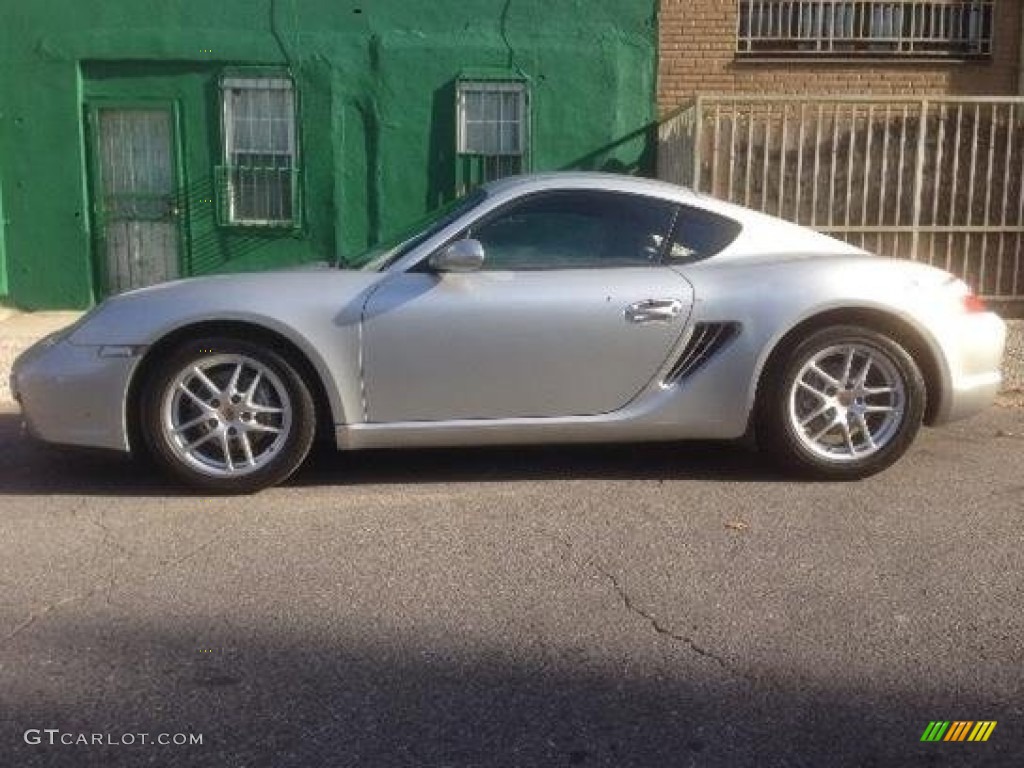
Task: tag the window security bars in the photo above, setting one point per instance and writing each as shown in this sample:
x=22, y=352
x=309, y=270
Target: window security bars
x=865, y=28
x=491, y=131
x=259, y=179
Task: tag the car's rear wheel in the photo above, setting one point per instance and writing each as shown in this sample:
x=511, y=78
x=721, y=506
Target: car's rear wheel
x=843, y=403
x=228, y=416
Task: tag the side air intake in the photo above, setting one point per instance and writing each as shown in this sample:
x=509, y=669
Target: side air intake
x=706, y=341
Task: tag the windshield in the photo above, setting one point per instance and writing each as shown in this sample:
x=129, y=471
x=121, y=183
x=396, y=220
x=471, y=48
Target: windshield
x=384, y=254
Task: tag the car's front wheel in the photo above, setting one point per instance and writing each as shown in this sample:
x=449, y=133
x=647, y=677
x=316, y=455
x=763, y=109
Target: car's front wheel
x=226, y=415
x=843, y=403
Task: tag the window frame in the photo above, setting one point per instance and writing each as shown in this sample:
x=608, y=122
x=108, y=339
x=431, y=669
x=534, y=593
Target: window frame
x=255, y=80
x=685, y=211
x=518, y=87
x=502, y=208
x=872, y=34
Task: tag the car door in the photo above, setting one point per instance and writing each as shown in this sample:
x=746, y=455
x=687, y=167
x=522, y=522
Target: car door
x=571, y=314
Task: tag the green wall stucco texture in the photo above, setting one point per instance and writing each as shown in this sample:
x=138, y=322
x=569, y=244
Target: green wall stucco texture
x=376, y=115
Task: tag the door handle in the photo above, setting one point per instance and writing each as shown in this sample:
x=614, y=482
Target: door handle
x=654, y=310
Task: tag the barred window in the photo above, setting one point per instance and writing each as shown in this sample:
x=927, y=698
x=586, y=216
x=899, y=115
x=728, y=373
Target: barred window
x=852, y=28
x=259, y=176
x=492, y=128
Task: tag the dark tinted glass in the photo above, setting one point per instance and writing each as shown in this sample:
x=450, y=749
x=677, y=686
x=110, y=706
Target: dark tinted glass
x=700, y=234
x=576, y=230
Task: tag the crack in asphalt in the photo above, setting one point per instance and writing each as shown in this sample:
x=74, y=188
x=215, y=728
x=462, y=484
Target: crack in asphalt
x=656, y=625
x=630, y=605
x=108, y=582
x=112, y=542
x=172, y=561
x=108, y=542
x=50, y=608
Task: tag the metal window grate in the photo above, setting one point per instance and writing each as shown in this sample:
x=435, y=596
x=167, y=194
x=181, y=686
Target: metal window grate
x=865, y=28
x=492, y=131
x=259, y=179
x=258, y=195
x=491, y=118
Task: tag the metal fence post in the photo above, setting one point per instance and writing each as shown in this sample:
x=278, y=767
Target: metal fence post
x=922, y=135
x=698, y=137
x=925, y=194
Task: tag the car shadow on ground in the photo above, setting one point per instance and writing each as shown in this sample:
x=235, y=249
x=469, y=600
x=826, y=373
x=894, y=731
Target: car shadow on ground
x=290, y=699
x=28, y=467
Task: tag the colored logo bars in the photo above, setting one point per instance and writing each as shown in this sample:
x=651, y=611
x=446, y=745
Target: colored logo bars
x=958, y=730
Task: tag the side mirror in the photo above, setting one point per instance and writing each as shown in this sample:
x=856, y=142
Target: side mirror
x=460, y=256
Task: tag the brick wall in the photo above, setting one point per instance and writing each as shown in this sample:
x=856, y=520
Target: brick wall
x=698, y=53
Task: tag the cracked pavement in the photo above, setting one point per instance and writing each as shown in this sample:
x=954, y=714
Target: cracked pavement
x=665, y=605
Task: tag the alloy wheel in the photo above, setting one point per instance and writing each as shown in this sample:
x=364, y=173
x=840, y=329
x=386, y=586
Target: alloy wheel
x=847, y=402
x=226, y=415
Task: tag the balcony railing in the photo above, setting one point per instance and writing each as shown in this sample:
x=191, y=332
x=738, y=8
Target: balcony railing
x=865, y=28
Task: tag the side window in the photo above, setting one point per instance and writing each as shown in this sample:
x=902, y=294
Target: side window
x=576, y=230
x=699, y=234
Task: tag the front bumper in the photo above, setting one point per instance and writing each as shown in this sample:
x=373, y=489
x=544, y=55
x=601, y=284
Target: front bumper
x=74, y=395
x=973, y=346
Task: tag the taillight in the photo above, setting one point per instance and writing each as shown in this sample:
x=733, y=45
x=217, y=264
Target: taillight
x=974, y=303
x=967, y=299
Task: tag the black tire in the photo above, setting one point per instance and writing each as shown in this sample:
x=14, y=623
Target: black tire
x=283, y=451
x=780, y=400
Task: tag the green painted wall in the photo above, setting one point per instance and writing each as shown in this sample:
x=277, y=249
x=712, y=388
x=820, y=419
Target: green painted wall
x=375, y=83
x=3, y=252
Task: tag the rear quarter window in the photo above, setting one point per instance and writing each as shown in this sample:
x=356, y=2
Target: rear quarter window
x=700, y=234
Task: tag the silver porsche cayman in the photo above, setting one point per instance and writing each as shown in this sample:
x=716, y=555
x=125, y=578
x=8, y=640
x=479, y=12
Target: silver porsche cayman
x=562, y=308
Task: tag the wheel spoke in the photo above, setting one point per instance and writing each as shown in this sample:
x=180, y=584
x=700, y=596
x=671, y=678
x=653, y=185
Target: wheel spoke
x=205, y=380
x=862, y=424
x=808, y=388
x=256, y=408
x=848, y=437
x=232, y=387
x=190, y=424
x=206, y=407
x=831, y=425
x=191, y=447
x=871, y=391
x=256, y=426
x=226, y=447
x=848, y=366
x=243, y=438
x=879, y=409
x=863, y=376
x=817, y=414
x=829, y=379
x=252, y=387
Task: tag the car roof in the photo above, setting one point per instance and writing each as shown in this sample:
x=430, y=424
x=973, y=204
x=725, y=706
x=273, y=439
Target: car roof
x=762, y=233
x=588, y=180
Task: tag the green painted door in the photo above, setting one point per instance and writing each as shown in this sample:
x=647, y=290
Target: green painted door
x=137, y=208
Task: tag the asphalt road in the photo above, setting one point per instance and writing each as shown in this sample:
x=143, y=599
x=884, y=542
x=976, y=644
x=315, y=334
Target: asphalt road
x=648, y=606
